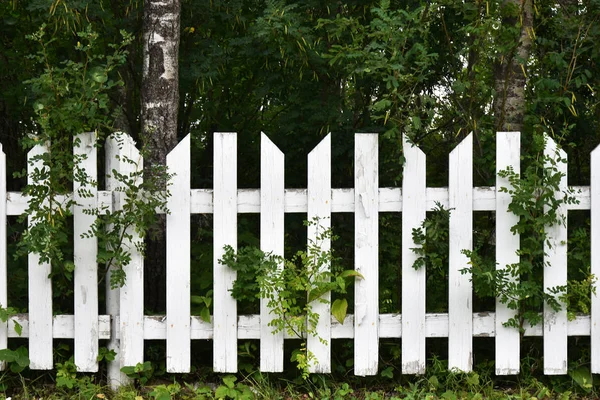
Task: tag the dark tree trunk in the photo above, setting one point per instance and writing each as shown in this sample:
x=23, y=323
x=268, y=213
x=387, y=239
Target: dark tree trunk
x=510, y=71
x=160, y=99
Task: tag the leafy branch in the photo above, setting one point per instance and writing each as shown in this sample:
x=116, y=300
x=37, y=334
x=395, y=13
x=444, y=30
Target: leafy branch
x=291, y=286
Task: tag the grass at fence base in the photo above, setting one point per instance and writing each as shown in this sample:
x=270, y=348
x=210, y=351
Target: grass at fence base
x=261, y=386
x=438, y=383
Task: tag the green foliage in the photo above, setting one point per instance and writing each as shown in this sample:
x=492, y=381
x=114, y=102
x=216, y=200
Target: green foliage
x=232, y=390
x=17, y=360
x=201, y=392
x=583, y=378
x=142, y=193
x=73, y=97
x=69, y=380
x=202, y=304
x=6, y=313
x=106, y=354
x=66, y=374
x=520, y=286
x=69, y=99
x=141, y=372
x=389, y=48
x=431, y=239
x=166, y=392
x=290, y=287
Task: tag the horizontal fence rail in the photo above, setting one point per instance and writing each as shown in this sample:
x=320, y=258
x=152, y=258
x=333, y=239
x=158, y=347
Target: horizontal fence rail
x=248, y=327
x=296, y=200
x=126, y=327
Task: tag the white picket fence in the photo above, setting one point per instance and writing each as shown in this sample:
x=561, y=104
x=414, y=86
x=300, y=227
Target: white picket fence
x=127, y=327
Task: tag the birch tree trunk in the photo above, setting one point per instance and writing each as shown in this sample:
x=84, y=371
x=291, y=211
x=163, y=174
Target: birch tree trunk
x=510, y=70
x=159, y=98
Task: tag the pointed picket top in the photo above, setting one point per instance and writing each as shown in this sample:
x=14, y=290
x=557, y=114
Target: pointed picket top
x=463, y=147
x=272, y=188
x=460, y=289
x=181, y=150
x=178, y=259
x=40, y=288
x=414, y=209
x=319, y=211
x=595, y=259
x=3, y=255
x=322, y=147
x=555, y=269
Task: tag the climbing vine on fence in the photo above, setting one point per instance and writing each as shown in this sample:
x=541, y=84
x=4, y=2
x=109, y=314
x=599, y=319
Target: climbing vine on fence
x=520, y=286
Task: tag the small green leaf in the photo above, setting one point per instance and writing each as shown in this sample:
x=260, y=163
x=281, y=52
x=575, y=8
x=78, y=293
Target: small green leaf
x=388, y=373
x=350, y=272
x=229, y=381
x=69, y=266
x=339, y=309
x=18, y=328
x=128, y=370
x=473, y=379
x=583, y=378
x=22, y=356
x=99, y=75
x=205, y=314
x=221, y=392
x=7, y=355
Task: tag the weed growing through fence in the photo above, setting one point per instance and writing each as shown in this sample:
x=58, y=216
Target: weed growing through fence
x=17, y=359
x=432, y=240
x=141, y=373
x=291, y=286
x=520, y=286
x=141, y=195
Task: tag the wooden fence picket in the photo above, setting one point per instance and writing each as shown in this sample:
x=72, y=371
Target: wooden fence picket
x=319, y=207
x=413, y=281
x=555, y=269
x=3, y=255
x=132, y=292
x=366, y=254
x=271, y=241
x=595, y=256
x=115, y=377
x=507, y=245
x=178, y=259
x=85, y=250
x=40, y=287
x=460, y=289
x=224, y=233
